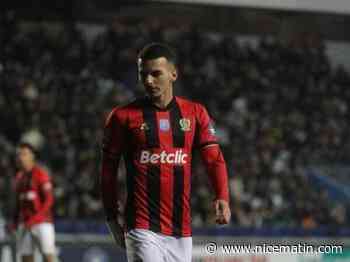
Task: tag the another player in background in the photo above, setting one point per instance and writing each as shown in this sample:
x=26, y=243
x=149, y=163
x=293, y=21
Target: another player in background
x=33, y=217
x=156, y=135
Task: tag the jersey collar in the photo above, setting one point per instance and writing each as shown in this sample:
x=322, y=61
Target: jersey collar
x=171, y=104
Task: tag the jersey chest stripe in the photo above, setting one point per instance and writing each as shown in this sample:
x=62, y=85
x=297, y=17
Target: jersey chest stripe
x=178, y=191
x=153, y=186
x=178, y=134
x=178, y=171
x=150, y=119
x=153, y=172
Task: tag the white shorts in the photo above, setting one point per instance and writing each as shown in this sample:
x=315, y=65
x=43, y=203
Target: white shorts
x=41, y=236
x=146, y=246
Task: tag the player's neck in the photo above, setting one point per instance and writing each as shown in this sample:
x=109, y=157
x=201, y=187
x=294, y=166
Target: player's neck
x=164, y=100
x=29, y=167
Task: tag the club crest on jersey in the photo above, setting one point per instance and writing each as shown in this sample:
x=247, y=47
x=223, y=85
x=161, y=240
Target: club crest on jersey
x=164, y=124
x=185, y=124
x=144, y=126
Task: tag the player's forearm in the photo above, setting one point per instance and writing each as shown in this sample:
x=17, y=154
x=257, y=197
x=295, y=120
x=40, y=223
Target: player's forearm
x=216, y=168
x=48, y=203
x=108, y=180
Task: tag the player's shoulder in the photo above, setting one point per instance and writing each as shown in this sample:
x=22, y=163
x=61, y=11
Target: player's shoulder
x=121, y=112
x=195, y=105
x=40, y=172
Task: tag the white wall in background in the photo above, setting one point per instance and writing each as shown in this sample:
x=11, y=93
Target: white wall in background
x=331, y=6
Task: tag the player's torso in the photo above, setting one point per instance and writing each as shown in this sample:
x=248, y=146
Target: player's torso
x=161, y=136
x=158, y=160
x=28, y=192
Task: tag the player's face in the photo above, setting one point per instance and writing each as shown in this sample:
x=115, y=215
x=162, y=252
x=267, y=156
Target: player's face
x=157, y=76
x=25, y=157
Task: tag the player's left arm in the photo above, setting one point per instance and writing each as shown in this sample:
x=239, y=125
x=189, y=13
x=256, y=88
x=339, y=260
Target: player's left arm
x=216, y=167
x=215, y=164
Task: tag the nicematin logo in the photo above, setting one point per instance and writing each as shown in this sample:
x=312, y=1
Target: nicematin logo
x=177, y=158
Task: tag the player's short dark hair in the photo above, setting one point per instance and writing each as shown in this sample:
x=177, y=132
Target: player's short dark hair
x=28, y=146
x=157, y=50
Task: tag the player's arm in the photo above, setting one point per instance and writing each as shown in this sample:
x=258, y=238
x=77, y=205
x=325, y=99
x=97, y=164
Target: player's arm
x=216, y=168
x=46, y=192
x=112, y=148
x=215, y=164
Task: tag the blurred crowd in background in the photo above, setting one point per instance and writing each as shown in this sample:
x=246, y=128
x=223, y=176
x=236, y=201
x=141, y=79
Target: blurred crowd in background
x=278, y=107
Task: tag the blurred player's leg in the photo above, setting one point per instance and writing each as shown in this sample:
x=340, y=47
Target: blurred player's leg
x=44, y=236
x=24, y=243
x=143, y=245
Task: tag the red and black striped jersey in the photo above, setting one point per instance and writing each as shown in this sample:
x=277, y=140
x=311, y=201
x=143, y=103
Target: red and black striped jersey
x=157, y=145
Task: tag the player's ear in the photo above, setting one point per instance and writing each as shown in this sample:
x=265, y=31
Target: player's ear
x=173, y=73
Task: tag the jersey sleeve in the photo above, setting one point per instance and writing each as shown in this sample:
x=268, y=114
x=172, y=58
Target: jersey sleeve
x=205, y=131
x=112, y=148
x=215, y=164
x=113, y=137
x=211, y=155
x=45, y=189
x=44, y=181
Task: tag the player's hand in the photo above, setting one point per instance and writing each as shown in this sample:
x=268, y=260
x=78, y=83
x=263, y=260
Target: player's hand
x=222, y=212
x=117, y=232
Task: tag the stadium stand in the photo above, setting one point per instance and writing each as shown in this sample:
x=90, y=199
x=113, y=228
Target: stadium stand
x=278, y=106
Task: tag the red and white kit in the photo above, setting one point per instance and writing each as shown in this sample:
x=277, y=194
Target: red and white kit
x=34, y=211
